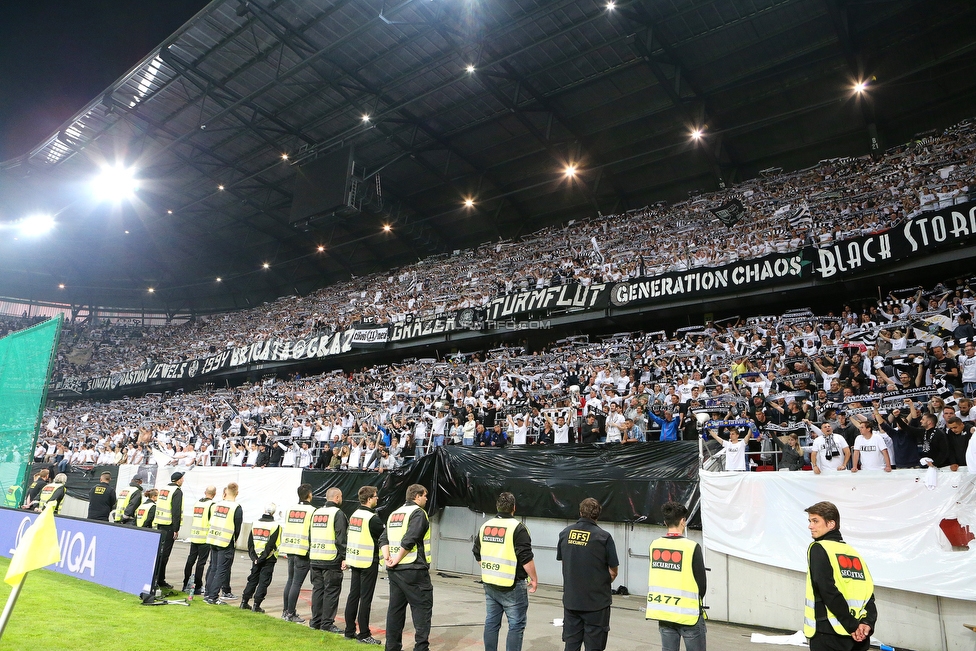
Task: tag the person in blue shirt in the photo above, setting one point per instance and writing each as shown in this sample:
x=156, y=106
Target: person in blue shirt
x=669, y=424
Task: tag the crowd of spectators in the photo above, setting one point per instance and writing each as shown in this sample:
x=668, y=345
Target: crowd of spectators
x=786, y=383
x=831, y=201
x=903, y=367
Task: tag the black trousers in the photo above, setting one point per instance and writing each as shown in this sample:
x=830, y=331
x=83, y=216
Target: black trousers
x=411, y=587
x=218, y=574
x=165, y=549
x=297, y=571
x=199, y=553
x=362, y=583
x=589, y=628
x=258, y=580
x=326, y=587
x=834, y=642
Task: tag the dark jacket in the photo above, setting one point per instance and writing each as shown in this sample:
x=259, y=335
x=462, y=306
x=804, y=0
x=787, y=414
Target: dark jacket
x=523, y=550
x=269, y=549
x=826, y=595
x=417, y=526
x=341, y=525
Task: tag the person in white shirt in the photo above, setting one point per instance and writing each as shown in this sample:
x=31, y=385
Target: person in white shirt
x=830, y=451
x=518, y=429
x=615, y=420
x=561, y=431
x=735, y=448
x=870, y=449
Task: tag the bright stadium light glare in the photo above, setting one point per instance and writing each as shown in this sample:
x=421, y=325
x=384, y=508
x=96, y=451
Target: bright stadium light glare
x=219, y=279
x=151, y=290
x=570, y=170
x=321, y=248
x=266, y=266
x=35, y=225
x=365, y=118
x=60, y=285
x=115, y=183
x=387, y=228
x=860, y=87
x=696, y=134
x=611, y=5
x=470, y=68
x=469, y=203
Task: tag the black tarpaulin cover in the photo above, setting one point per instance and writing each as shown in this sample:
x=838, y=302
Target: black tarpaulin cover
x=630, y=481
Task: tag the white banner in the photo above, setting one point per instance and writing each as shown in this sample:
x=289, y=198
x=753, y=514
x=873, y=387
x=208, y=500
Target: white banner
x=257, y=486
x=892, y=519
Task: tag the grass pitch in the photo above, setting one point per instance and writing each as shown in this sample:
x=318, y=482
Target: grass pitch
x=58, y=610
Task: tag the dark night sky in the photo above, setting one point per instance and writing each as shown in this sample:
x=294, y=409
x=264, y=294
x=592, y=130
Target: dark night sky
x=57, y=56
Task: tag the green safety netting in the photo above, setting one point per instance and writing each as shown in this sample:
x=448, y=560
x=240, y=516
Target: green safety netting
x=26, y=360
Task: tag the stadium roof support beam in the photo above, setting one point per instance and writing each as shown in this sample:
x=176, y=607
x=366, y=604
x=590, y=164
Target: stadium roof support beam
x=644, y=45
x=840, y=19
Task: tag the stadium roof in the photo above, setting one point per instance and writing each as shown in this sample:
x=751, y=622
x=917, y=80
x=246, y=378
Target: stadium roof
x=488, y=100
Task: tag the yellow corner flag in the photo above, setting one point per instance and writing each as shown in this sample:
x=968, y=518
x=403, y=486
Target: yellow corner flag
x=37, y=548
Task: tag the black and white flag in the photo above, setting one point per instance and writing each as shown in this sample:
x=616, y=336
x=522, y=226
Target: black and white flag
x=730, y=212
x=801, y=218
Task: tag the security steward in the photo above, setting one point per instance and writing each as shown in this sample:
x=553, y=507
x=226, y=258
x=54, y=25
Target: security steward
x=362, y=555
x=129, y=500
x=327, y=554
x=589, y=558
x=34, y=490
x=12, y=497
x=101, y=498
x=146, y=513
x=503, y=547
x=53, y=494
x=226, y=520
x=295, y=543
x=262, y=548
x=676, y=584
x=199, y=550
x=839, y=612
x=405, y=546
x=169, y=518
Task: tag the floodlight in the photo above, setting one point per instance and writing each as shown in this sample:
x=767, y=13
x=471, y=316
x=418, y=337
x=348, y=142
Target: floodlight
x=570, y=170
x=387, y=228
x=35, y=225
x=696, y=134
x=470, y=68
x=115, y=183
x=860, y=87
x=469, y=202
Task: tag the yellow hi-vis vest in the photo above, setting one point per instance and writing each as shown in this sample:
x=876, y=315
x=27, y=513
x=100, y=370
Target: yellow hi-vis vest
x=396, y=526
x=221, y=533
x=164, y=505
x=200, y=525
x=143, y=512
x=853, y=580
x=11, y=498
x=498, y=560
x=261, y=532
x=46, y=493
x=122, y=503
x=672, y=592
x=322, y=538
x=294, y=533
x=360, y=546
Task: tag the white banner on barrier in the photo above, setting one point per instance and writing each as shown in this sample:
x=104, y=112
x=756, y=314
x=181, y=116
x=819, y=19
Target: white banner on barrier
x=258, y=486
x=892, y=519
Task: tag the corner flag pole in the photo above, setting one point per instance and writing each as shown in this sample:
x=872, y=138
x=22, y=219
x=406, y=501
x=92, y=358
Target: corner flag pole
x=8, y=609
